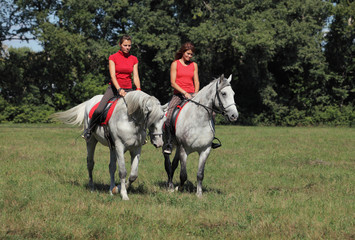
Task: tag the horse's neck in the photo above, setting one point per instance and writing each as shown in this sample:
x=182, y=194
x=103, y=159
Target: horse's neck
x=206, y=95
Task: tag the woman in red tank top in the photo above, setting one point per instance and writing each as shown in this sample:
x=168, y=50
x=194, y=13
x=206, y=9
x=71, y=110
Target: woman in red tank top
x=122, y=66
x=185, y=82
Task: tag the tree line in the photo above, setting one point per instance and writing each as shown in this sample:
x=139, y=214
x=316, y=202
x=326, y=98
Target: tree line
x=292, y=61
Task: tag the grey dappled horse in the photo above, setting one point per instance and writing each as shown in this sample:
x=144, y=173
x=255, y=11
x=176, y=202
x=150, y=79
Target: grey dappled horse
x=128, y=125
x=195, y=128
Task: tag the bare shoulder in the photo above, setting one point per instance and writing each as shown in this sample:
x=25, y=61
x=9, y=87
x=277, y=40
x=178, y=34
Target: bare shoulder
x=195, y=65
x=173, y=65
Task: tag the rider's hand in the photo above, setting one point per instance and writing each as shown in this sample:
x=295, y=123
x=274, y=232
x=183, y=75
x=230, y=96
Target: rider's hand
x=187, y=95
x=121, y=92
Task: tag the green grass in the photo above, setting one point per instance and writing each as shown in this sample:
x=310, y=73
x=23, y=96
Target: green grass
x=264, y=182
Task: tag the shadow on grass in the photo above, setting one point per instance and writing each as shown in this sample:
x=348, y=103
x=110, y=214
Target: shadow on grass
x=105, y=188
x=188, y=187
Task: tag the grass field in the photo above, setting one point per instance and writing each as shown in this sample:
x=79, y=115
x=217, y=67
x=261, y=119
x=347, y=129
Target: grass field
x=263, y=183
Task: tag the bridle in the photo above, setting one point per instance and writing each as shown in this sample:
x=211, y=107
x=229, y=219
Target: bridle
x=214, y=108
x=220, y=102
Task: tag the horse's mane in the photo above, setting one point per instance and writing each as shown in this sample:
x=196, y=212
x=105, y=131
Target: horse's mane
x=135, y=100
x=141, y=101
x=212, y=84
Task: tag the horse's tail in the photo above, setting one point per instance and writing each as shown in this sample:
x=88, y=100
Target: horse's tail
x=73, y=116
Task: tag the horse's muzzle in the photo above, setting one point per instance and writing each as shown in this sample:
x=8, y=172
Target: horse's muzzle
x=233, y=116
x=157, y=140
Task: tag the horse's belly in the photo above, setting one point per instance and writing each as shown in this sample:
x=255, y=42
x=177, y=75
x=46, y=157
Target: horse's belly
x=196, y=139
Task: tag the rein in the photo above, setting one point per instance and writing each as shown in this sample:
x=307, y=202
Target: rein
x=219, y=101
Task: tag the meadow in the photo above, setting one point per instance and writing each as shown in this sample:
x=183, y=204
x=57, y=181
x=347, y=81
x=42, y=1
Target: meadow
x=263, y=183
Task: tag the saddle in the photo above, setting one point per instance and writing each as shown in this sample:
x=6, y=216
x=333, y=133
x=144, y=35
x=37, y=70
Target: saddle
x=107, y=113
x=105, y=117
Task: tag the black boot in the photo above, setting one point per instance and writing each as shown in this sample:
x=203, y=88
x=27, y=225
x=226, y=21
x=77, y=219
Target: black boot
x=87, y=133
x=168, y=147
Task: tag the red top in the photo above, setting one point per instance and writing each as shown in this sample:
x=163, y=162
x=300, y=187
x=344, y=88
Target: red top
x=124, y=68
x=184, y=77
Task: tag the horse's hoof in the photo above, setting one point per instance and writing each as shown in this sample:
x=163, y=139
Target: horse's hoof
x=125, y=198
x=177, y=188
x=199, y=195
x=115, y=190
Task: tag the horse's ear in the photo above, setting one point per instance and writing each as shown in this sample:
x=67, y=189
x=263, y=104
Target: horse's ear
x=230, y=78
x=165, y=107
x=221, y=78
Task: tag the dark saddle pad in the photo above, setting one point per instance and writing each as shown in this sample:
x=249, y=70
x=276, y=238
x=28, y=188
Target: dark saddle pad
x=175, y=115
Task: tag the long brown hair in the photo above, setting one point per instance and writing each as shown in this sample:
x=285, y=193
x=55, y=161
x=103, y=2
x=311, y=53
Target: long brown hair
x=185, y=47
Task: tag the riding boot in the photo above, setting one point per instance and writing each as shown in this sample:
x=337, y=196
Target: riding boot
x=167, y=148
x=87, y=133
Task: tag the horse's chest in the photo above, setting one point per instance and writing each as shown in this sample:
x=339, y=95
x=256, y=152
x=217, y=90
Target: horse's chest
x=134, y=140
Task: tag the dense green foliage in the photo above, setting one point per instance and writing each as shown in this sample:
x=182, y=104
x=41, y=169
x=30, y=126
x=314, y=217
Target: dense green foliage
x=286, y=70
x=263, y=183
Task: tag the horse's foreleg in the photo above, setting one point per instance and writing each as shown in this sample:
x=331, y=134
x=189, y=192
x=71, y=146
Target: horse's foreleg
x=173, y=168
x=112, y=169
x=183, y=173
x=122, y=170
x=168, y=170
x=135, y=155
x=90, y=147
x=201, y=170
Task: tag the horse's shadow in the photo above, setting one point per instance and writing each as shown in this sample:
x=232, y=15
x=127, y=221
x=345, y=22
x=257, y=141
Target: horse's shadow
x=104, y=188
x=142, y=189
x=188, y=187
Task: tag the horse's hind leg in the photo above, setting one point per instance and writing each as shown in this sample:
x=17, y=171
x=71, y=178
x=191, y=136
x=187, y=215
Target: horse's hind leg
x=201, y=169
x=135, y=155
x=90, y=147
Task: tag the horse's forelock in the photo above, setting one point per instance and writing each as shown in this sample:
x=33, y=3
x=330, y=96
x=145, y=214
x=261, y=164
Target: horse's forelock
x=224, y=83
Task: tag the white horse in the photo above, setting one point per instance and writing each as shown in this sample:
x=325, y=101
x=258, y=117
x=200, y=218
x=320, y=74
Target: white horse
x=128, y=125
x=195, y=128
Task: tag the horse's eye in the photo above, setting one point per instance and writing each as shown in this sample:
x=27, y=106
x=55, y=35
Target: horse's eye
x=224, y=94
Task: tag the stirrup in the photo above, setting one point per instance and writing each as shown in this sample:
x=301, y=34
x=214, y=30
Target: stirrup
x=86, y=135
x=216, y=145
x=167, y=149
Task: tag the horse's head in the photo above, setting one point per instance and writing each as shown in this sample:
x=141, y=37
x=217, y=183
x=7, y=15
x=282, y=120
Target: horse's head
x=156, y=119
x=225, y=98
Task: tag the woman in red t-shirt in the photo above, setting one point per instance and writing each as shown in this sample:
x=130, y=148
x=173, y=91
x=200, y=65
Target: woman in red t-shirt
x=121, y=67
x=185, y=82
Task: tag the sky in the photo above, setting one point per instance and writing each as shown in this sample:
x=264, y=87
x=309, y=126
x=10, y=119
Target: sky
x=33, y=44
